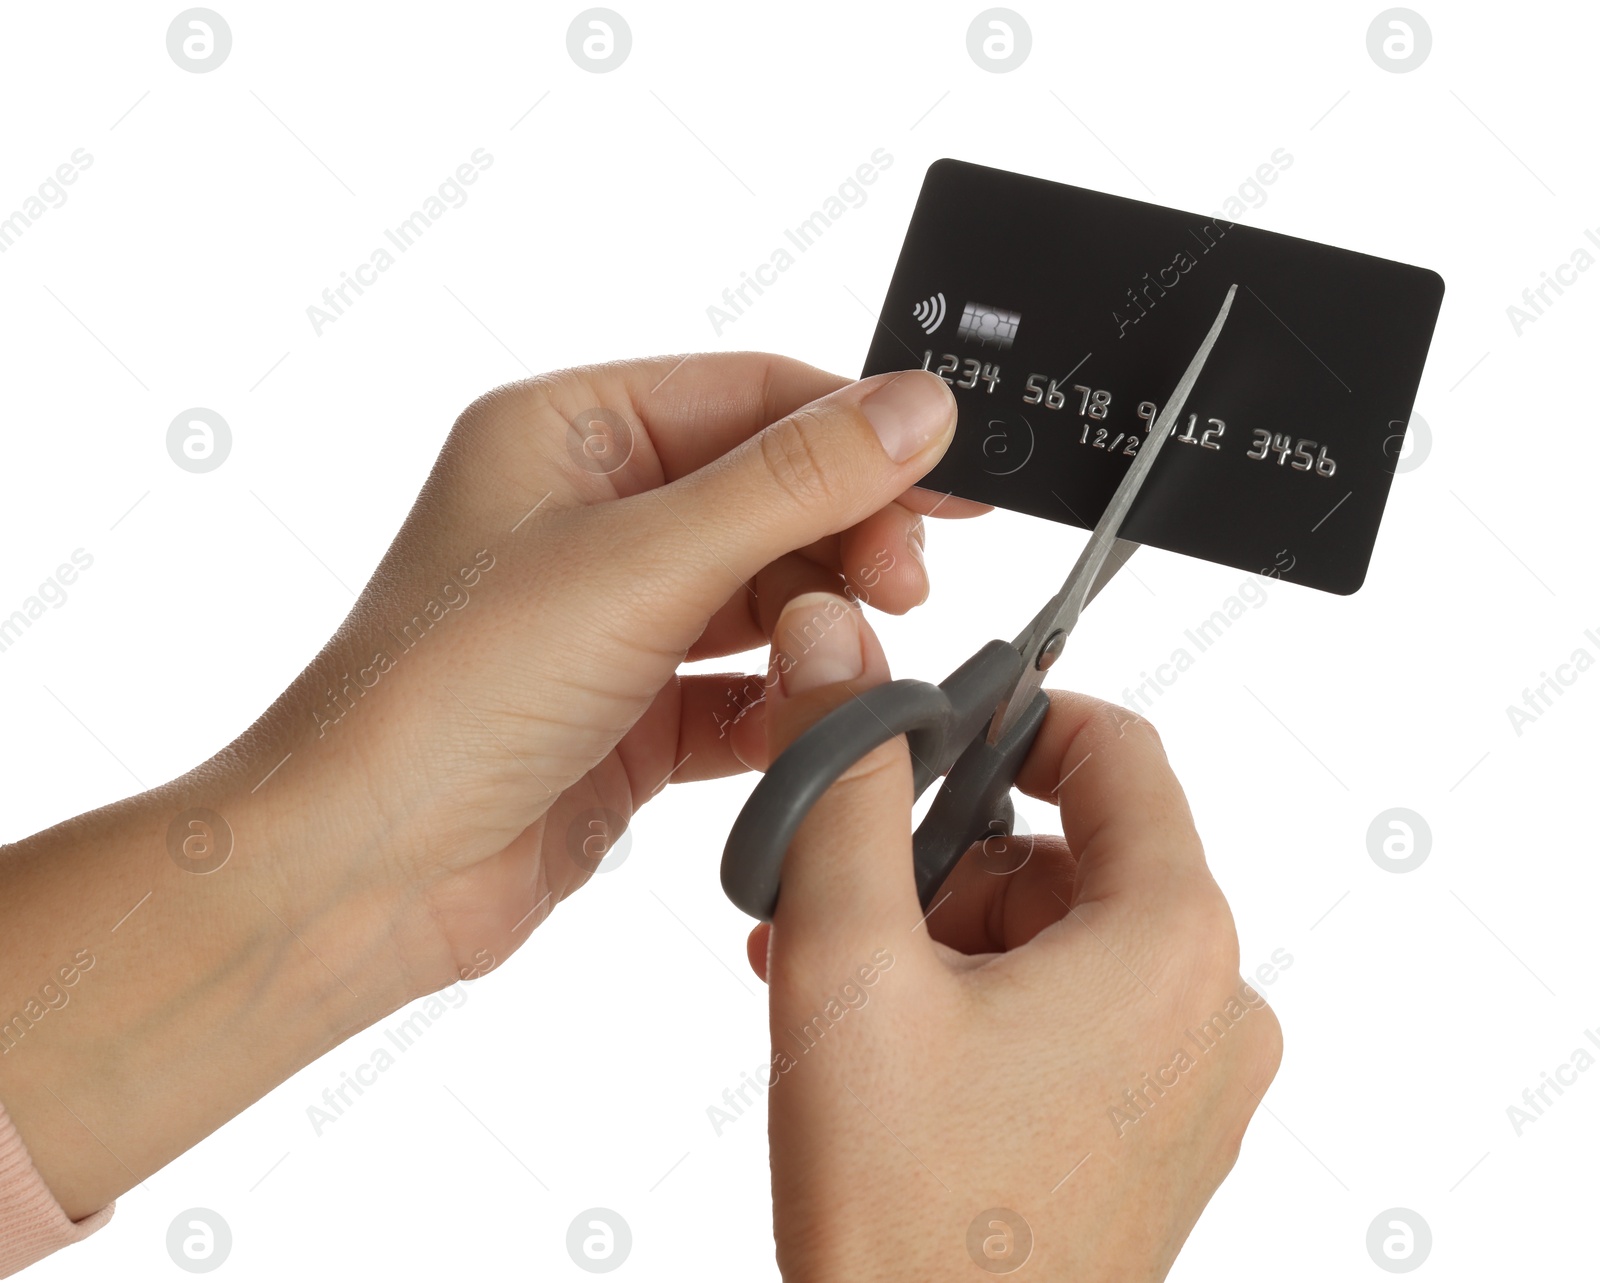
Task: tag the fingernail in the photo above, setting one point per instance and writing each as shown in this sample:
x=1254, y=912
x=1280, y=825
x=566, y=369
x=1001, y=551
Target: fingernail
x=917, y=543
x=819, y=643
x=908, y=411
x=919, y=555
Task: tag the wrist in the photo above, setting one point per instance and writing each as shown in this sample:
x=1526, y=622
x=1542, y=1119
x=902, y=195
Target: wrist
x=847, y=1236
x=209, y=946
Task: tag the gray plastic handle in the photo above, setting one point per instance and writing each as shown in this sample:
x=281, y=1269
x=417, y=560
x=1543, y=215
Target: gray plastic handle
x=941, y=724
x=974, y=802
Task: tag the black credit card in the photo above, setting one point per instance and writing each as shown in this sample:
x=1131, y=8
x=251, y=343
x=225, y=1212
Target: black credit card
x=1063, y=319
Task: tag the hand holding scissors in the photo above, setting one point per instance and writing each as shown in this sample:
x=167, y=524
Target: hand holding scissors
x=975, y=728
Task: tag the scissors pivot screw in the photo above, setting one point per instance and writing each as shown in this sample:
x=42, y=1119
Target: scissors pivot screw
x=1050, y=650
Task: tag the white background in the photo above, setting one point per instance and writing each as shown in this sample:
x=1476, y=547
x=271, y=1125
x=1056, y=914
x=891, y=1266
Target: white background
x=178, y=273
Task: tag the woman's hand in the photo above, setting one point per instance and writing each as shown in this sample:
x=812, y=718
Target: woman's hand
x=586, y=532
x=1056, y=1066
x=499, y=702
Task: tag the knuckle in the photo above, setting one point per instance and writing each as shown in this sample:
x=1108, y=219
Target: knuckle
x=514, y=401
x=1105, y=723
x=1227, y=1157
x=481, y=429
x=1266, y=1049
x=1208, y=936
x=792, y=460
x=1129, y=722
x=1257, y=1051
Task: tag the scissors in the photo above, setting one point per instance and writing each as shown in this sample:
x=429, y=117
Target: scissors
x=975, y=728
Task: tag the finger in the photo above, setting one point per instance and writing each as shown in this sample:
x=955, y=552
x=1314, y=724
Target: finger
x=718, y=731
x=700, y=726
x=847, y=889
x=883, y=562
x=937, y=503
x=1003, y=892
x=685, y=547
x=745, y=621
x=1122, y=808
x=755, y=949
x=747, y=738
x=696, y=407
x=679, y=413
x=880, y=557
x=879, y=561
x=723, y=726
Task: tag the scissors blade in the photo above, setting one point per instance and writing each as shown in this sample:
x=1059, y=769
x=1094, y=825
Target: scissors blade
x=1116, y=559
x=1090, y=573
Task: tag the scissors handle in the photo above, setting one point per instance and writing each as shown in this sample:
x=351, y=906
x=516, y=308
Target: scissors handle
x=944, y=727
x=974, y=803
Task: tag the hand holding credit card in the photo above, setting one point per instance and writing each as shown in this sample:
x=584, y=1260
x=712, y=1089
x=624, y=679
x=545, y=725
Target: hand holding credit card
x=1059, y=316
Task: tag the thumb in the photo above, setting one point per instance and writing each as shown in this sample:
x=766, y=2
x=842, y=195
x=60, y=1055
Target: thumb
x=848, y=886
x=815, y=472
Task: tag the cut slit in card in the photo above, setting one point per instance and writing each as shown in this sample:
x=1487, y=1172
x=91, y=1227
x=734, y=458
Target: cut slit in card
x=1062, y=318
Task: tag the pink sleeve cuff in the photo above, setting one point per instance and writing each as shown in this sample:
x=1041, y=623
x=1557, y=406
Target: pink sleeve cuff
x=32, y=1223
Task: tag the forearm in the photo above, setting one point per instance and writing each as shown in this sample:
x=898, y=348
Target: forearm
x=145, y=1003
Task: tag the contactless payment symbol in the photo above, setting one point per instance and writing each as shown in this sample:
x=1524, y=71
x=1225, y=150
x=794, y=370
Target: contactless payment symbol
x=929, y=313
